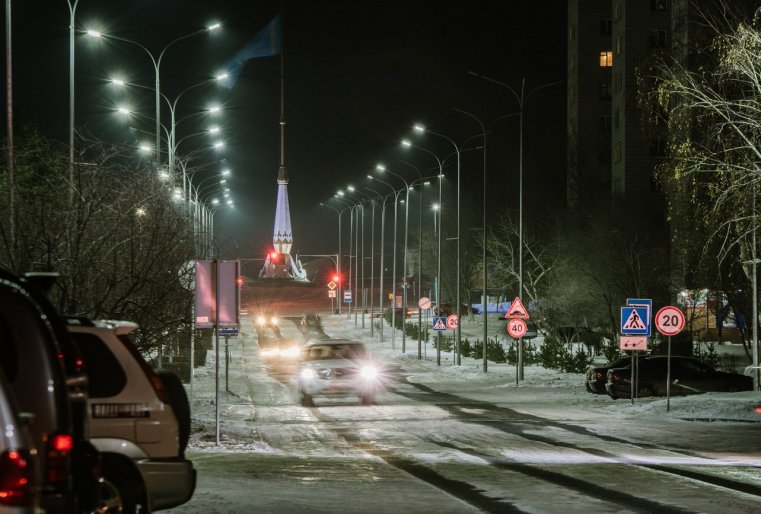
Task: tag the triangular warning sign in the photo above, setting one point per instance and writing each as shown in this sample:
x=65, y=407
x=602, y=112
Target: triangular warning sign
x=439, y=324
x=517, y=310
x=634, y=322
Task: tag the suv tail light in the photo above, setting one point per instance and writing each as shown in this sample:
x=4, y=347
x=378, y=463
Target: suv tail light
x=15, y=472
x=58, y=460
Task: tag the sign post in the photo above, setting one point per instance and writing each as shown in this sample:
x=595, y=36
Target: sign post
x=635, y=321
x=217, y=306
x=516, y=328
x=669, y=321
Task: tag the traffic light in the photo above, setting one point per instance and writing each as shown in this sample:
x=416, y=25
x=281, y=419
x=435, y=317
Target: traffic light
x=273, y=256
x=239, y=281
x=337, y=278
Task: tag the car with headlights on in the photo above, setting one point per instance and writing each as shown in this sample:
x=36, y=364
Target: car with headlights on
x=337, y=367
x=283, y=350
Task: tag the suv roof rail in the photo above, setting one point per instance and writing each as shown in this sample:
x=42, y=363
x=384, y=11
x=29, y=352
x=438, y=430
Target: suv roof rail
x=78, y=321
x=42, y=280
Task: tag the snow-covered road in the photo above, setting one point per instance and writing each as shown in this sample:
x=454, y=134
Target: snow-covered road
x=452, y=439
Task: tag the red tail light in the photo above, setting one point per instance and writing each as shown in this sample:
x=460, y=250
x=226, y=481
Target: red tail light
x=15, y=471
x=59, y=457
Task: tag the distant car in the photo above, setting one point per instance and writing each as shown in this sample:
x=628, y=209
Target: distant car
x=139, y=419
x=267, y=326
x=597, y=376
x=337, y=367
x=281, y=350
x=448, y=308
x=311, y=326
x=311, y=320
x=688, y=376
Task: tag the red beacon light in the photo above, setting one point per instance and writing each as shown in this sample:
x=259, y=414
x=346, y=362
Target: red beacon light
x=273, y=255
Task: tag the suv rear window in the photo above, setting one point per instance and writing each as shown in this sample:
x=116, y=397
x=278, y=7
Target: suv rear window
x=107, y=378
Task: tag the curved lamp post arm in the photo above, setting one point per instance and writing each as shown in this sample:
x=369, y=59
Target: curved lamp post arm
x=421, y=129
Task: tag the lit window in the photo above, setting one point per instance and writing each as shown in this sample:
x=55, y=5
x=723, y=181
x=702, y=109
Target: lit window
x=606, y=59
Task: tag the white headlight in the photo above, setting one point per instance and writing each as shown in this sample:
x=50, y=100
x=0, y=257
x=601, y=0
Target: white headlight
x=290, y=352
x=274, y=320
x=260, y=320
x=368, y=373
x=270, y=351
x=308, y=374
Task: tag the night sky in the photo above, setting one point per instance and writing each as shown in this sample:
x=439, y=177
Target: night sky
x=357, y=76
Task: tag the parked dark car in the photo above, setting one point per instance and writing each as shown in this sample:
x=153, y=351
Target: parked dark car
x=597, y=376
x=688, y=376
x=46, y=373
x=447, y=308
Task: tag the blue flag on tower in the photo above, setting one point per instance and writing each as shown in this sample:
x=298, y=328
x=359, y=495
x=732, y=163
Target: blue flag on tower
x=264, y=44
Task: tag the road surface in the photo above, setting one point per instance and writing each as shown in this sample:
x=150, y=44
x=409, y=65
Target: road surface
x=420, y=449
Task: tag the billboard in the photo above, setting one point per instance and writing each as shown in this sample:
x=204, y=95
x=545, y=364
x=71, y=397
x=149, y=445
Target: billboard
x=217, y=291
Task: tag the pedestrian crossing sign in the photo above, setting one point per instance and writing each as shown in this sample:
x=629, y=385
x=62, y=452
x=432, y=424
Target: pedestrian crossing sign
x=439, y=323
x=635, y=321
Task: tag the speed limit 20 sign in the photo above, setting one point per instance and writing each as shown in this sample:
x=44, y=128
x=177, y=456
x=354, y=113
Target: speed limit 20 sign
x=669, y=321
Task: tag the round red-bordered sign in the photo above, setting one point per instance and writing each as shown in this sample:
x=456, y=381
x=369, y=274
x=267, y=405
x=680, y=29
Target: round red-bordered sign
x=669, y=320
x=452, y=321
x=516, y=328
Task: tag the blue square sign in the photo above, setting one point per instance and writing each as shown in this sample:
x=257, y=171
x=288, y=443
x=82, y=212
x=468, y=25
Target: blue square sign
x=635, y=321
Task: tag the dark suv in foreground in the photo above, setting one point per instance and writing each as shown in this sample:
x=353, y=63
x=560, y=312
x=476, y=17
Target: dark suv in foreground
x=45, y=372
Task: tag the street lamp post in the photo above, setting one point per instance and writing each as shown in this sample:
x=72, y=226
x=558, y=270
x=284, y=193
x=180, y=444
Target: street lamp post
x=437, y=228
x=338, y=260
x=483, y=244
x=360, y=275
x=72, y=15
x=352, y=208
x=382, y=199
x=408, y=144
x=521, y=99
x=420, y=217
x=395, y=194
x=421, y=129
x=381, y=168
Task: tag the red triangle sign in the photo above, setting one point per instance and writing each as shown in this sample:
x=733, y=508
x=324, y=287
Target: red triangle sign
x=517, y=310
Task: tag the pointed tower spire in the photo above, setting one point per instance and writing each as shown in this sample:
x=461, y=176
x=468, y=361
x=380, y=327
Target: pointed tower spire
x=280, y=263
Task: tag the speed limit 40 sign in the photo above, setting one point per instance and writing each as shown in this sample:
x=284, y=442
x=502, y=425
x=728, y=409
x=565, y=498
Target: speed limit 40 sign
x=669, y=321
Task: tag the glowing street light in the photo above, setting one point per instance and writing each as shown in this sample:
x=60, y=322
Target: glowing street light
x=156, y=61
x=422, y=130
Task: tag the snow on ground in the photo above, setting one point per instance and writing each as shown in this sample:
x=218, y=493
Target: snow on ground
x=542, y=392
x=562, y=390
x=260, y=416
